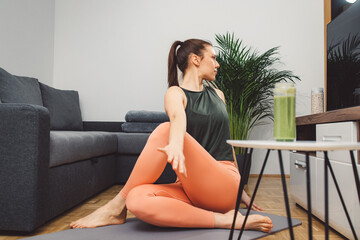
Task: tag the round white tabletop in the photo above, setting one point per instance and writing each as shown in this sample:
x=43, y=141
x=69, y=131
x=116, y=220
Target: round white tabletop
x=295, y=145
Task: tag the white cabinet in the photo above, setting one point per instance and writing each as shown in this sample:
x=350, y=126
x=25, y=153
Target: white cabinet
x=345, y=177
x=298, y=179
x=337, y=132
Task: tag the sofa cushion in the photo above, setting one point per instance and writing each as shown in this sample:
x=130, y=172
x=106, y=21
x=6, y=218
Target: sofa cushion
x=64, y=108
x=72, y=146
x=15, y=89
x=139, y=127
x=146, y=116
x=131, y=143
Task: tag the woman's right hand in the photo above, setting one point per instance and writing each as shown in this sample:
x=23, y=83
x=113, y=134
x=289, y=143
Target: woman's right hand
x=175, y=157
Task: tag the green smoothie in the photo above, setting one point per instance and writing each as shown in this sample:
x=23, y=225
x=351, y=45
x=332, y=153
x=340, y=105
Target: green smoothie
x=284, y=118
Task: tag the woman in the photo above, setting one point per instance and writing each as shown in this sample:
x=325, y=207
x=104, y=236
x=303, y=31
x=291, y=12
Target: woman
x=194, y=142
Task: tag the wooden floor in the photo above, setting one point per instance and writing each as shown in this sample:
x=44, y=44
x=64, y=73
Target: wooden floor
x=269, y=196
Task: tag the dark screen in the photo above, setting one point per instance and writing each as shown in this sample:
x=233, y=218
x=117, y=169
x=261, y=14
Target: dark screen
x=343, y=59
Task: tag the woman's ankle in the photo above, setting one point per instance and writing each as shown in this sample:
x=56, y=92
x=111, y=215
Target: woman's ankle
x=116, y=205
x=222, y=221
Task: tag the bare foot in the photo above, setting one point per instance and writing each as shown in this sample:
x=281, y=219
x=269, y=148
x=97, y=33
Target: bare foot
x=114, y=212
x=245, y=199
x=254, y=222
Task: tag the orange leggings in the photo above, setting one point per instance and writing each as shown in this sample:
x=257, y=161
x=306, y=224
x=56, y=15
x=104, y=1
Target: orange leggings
x=210, y=186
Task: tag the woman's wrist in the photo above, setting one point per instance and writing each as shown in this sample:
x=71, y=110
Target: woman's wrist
x=176, y=146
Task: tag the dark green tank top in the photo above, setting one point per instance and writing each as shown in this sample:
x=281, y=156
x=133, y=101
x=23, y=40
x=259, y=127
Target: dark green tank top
x=208, y=122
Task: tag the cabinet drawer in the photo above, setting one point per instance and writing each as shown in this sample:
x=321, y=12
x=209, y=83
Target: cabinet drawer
x=345, y=178
x=339, y=132
x=298, y=179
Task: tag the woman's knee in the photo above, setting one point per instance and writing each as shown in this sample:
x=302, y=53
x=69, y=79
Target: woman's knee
x=136, y=200
x=161, y=131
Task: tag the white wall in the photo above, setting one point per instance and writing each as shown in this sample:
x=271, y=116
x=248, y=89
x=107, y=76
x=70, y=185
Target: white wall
x=115, y=52
x=300, y=33
x=27, y=38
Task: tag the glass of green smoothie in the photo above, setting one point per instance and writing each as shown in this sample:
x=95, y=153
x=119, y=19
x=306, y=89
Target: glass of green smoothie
x=284, y=112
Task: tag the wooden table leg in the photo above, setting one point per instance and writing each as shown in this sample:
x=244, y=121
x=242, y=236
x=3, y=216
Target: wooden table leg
x=308, y=189
x=326, y=196
x=356, y=175
x=286, y=195
x=253, y=196
x=241, y=188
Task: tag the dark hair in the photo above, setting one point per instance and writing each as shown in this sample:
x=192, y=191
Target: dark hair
x=180, y=57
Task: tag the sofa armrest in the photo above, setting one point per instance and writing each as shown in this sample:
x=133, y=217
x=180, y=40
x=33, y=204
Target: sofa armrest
x=102, y=126
x=24, y=163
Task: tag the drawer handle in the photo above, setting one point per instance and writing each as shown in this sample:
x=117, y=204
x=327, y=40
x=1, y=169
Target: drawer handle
x=331, y=138
x=300, y=164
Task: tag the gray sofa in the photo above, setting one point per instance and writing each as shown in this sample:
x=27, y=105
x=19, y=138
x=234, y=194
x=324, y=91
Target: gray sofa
x=51, y=160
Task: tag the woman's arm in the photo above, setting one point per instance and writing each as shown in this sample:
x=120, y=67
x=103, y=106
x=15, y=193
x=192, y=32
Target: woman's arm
x=174, y=107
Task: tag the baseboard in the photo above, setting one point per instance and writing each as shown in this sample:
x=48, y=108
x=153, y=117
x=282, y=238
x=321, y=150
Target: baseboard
x=270, y=175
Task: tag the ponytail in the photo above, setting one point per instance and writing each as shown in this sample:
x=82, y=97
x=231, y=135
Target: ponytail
x=179, y=58
x=172, y=65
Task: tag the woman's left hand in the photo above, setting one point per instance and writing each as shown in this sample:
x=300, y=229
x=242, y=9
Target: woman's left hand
x=175, y=157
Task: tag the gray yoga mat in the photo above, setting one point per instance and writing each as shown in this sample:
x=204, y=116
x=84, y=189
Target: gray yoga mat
x=135, y=229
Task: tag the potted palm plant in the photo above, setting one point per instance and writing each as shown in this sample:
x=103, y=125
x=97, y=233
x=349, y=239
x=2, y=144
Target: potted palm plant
x=247, y=79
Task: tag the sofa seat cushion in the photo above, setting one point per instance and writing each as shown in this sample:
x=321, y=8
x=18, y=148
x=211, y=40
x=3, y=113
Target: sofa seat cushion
x=71, y=146
x=131, y=143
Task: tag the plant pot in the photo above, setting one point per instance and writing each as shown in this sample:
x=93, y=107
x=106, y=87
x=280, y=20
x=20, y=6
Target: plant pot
x=244, y=173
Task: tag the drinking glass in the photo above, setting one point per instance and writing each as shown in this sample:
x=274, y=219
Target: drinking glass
x=284, y=112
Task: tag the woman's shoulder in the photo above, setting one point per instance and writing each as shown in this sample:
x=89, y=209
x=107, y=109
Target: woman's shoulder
x=218, y=92
x=175, y=95
x=175, y=91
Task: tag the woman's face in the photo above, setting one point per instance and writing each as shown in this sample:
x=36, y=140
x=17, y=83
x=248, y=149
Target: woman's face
x=208, y=65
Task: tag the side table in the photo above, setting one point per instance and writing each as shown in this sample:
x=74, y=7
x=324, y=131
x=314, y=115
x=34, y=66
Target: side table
x=305, y=146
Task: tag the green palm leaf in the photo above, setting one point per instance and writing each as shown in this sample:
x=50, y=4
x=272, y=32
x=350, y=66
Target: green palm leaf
x=247, y=79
